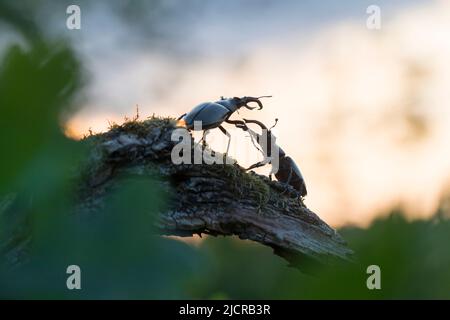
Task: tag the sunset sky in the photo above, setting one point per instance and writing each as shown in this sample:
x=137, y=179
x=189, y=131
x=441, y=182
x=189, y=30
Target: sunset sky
x=364, y=113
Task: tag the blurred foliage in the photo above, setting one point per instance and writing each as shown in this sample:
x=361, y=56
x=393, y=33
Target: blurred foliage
x=118, y=256
x=413, y=257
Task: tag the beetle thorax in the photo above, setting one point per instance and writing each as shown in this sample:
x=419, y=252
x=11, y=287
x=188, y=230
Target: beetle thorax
x=231, y=104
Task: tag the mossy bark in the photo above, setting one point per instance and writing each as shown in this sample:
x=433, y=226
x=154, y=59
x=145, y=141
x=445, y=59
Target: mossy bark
x=210, y=199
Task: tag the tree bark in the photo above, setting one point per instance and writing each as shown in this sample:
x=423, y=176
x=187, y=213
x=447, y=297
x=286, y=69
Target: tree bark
x=209, y=199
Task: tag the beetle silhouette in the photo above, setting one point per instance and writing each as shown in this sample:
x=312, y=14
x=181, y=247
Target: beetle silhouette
x=288, y=172
x=213, y=114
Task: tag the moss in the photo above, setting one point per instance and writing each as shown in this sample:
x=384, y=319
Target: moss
x=140, y=128
x=132, y=126
x=247, y=182
x=262, y=190
x=97, y=161
x=244, y=183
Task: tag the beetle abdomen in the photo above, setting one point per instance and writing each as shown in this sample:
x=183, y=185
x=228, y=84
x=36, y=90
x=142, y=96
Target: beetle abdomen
x=289, y=173
x=211, y=115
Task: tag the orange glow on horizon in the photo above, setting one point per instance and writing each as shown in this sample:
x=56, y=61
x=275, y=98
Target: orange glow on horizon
x=365, y=114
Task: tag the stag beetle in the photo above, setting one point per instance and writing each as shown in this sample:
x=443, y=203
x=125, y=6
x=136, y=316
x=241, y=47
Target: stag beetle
x=213, y=114
x=288, y=172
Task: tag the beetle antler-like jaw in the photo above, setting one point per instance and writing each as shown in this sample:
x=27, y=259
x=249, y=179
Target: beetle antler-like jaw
x=259, y=123
x=247, y=100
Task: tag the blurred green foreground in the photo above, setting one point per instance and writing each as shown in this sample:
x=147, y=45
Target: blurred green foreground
x=118, y=257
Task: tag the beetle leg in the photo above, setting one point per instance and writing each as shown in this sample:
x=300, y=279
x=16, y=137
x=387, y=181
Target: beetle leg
x=254, y=144
x=225, y=132
x=256, y=165
x=288, y=180
x=290, y=176
x=201, y=140
x=242, y=125
x=236, y=122
x=259, y=164
x=204, y=138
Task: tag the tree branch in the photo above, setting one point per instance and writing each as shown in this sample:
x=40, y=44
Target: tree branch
x=210, y=199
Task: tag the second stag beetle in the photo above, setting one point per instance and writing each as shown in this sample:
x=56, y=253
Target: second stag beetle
x=212, y=114
x=288, y=172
